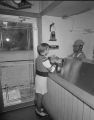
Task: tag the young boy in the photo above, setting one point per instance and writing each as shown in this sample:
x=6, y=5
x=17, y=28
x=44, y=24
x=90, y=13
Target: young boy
x=43, y=66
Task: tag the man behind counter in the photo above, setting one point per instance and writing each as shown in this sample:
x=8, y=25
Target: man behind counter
x=77, y=50
x=77, y=54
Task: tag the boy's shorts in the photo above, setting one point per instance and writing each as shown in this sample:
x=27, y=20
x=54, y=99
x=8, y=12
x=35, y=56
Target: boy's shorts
x=41, y=84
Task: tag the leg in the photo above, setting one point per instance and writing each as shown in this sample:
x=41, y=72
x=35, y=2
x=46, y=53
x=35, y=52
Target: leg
x=39, y=98
x=35, y=100
x=42, y=101
x=39, y=105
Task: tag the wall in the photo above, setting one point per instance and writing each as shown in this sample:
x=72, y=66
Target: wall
x=68, y=30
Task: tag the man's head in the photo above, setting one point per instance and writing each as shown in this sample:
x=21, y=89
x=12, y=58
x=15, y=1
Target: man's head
x=78, y=45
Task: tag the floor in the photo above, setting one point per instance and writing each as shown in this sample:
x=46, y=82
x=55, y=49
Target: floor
x=27, y=113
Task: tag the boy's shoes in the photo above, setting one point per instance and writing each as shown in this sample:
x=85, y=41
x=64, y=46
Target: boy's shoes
x=41, y=113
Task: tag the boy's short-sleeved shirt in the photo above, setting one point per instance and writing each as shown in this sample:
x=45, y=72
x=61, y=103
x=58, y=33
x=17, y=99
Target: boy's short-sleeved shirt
x=43, y=65
x=39, y=63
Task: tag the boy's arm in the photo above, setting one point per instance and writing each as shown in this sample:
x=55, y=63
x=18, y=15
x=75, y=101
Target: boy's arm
x=49, y=66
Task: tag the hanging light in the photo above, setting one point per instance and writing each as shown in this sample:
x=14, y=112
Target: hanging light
x=7, y=39
x=24, y=4
x=17, y=1
x=5, y=23
x=16, y=4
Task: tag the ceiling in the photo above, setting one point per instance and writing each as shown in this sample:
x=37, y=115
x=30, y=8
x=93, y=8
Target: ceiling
x=69, y=8
x=53, y=8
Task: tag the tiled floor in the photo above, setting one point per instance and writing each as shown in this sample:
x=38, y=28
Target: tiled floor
x=27, y=113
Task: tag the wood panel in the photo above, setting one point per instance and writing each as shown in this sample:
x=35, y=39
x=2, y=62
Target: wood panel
x=62, y=103
x=79, y=110
x=76, y=115
x=91, y=114
x=52, y=99
x=68, y=106
x=86, y=112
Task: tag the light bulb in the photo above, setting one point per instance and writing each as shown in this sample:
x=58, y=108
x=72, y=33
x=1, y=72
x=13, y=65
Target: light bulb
x=7, y=39
x=17, y=1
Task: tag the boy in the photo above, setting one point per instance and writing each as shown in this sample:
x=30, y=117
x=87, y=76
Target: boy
x=43, y=66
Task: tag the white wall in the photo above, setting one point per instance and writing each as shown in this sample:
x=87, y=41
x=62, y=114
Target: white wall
x=68, y=30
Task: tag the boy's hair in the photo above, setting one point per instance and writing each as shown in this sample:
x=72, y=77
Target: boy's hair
x=42, y=47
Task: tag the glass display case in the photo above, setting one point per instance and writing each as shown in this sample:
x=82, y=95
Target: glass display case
x=16, y=63
x=15, y=36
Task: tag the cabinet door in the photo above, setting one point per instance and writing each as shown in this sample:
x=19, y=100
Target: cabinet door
x=17, y=82
x=1, y=97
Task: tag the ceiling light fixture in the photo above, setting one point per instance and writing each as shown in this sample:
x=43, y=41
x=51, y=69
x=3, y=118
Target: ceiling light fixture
x=17, y=1
x=24, y=4
x=16, y=4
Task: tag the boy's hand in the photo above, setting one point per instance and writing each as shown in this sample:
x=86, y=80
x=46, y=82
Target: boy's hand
x=58, y=60
x=53, y=68
x=53, y=59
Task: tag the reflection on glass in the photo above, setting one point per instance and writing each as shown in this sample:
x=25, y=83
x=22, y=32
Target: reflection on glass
x=16, y=81
x=16, y=36
x=18, y=94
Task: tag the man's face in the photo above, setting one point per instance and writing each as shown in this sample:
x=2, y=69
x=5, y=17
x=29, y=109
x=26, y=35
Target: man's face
x=77, y=48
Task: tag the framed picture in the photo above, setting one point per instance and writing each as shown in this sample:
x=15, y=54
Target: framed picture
x=52, y=32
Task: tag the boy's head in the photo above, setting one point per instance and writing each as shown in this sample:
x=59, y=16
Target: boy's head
x=43, y=49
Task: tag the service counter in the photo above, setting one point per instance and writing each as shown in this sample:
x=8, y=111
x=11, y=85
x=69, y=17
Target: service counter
x=79, y=73
x=71, y=92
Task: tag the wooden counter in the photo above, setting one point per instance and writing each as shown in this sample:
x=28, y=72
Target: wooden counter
x=65, y=101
